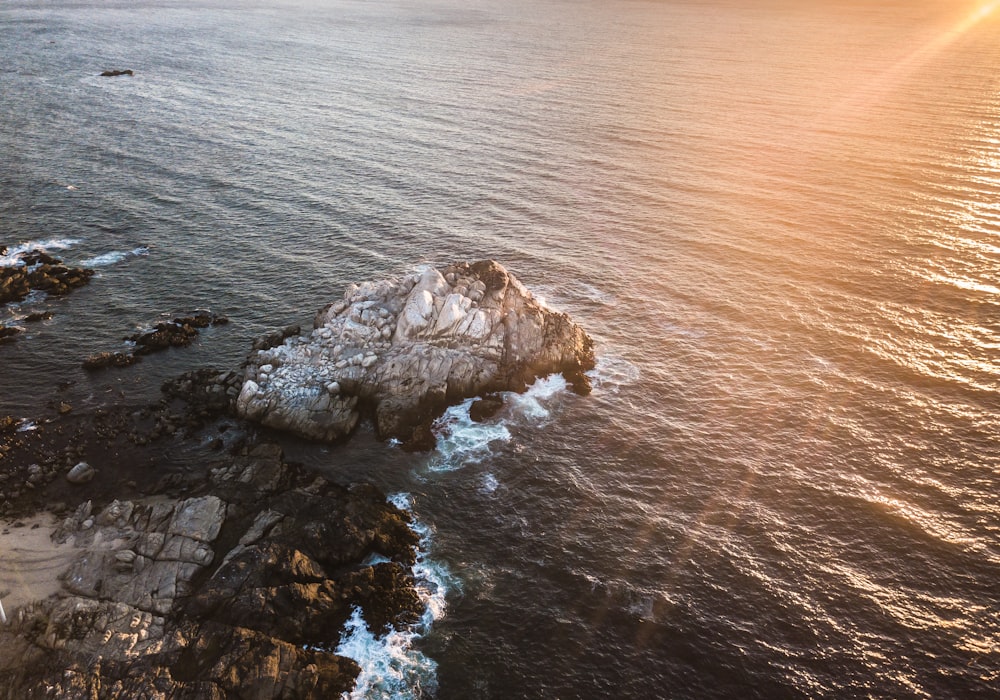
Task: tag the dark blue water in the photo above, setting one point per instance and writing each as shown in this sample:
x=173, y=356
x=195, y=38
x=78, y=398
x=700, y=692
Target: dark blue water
x=779, y=220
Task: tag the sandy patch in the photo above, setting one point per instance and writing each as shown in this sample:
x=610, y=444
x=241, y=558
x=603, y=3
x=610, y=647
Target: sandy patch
x=30, y=562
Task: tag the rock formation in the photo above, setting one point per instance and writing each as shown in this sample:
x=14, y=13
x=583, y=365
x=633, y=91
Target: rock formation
x=236, y=588
x=401, y=350
x=178, y=333
x=39, y=270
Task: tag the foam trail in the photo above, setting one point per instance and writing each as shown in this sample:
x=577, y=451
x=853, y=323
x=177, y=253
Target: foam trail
x=462, y=441
x=390, y=666
x=115, y=256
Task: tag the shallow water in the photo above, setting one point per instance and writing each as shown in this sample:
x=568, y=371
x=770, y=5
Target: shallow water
x=779, y=220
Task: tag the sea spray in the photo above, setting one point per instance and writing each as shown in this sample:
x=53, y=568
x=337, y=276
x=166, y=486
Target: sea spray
x=390, y=665
x=461, y=440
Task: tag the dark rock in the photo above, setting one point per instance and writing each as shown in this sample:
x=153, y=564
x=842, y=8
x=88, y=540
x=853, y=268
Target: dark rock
x=116, y=73
x=109, y=359
x=486, y=407
x=179, y=332
x=235, y=592
x=7, y=334
x=41, y=271
x=38, y=316
x=275, y=338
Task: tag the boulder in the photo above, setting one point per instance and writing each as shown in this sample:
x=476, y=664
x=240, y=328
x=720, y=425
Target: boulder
x=401, y=350
x=81, y=474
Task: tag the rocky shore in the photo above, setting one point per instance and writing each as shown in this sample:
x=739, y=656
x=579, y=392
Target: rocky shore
x=170, y=551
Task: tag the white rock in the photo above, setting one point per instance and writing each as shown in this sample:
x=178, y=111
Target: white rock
x=81, y=474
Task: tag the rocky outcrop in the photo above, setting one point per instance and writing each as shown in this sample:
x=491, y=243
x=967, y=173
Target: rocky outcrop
x=115, y=73
x=238, y=588
x=37, y=270
x=401, y=350
x=177, y=333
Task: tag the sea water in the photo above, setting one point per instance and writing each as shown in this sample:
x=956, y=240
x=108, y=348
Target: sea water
x=777, y=219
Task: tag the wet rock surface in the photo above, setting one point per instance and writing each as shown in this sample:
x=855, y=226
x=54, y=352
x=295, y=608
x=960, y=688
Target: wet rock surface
x=401, y=350
x=178, y=333
x=35, y=271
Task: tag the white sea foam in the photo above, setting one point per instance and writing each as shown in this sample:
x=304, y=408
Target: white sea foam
x=26, y=426
x=490, y=484
x=461, y=440
x=15, y=254
x=390, y=665
x=115, y=256
x=533, y=404
x=612, y=373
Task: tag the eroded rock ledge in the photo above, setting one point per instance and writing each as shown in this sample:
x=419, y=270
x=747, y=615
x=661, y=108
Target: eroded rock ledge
x=234, y=588
x=401, y=350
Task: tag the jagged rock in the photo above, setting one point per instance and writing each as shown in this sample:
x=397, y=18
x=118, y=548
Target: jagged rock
x=177, y=333
x=486, y=407
x=155, y=606
x=180, y=332
x=403, y=349
x=109, y=359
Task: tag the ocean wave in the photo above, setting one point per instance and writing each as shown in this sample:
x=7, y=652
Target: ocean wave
x=462, y=441
x=115, y=256
x=390, y=665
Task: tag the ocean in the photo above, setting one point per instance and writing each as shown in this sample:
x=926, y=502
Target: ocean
x=779, y=220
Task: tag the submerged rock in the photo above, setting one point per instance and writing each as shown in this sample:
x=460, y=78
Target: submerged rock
x=401, y=350
x=116, y=73
x=177, y=333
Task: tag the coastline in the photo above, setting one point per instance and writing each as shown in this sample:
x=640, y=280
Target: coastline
x=170, y=548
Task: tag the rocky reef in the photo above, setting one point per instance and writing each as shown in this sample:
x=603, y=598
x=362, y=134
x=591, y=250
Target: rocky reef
x=401, y=350
x=177, y=333
x=37, y=270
